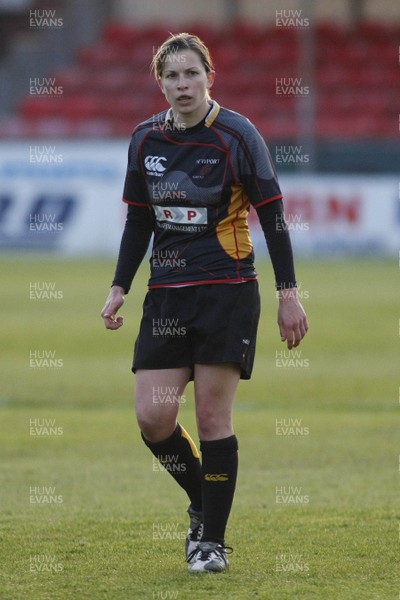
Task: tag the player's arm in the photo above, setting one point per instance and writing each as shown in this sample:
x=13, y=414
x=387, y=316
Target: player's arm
x=258, y=175
x=134, y=243
x=135, y=238
x=292, y=319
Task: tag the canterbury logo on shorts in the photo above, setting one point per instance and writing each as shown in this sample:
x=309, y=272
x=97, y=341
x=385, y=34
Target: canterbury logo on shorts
x=181, y=214
x=216, y=477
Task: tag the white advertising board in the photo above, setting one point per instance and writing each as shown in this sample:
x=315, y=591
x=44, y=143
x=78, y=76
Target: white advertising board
x=66, y=198
x=341, y=214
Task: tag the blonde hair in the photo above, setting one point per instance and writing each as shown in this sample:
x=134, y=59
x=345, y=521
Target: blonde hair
x=177, y=42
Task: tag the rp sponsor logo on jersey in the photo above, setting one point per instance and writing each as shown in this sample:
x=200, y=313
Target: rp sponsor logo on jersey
x=154, y=165
x=181, y=214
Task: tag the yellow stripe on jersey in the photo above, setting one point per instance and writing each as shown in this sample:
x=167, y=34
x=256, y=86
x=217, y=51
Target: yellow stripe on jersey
x=233, y=231
x=187, y=437
x=212, y=115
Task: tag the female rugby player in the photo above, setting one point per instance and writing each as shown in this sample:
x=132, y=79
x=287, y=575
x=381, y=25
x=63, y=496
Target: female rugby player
x=193, y=172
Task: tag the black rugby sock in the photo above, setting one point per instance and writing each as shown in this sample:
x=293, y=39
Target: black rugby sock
x=179, y=456
x=219, y=468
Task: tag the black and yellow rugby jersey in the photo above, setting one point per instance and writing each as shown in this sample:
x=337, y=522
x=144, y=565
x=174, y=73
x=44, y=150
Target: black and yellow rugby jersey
x=198, y=185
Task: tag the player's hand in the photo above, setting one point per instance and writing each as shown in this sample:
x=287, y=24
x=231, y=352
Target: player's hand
x=292, y=319
x=113, y=303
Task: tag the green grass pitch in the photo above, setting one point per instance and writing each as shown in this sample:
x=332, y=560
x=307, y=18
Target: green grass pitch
x=316, y=510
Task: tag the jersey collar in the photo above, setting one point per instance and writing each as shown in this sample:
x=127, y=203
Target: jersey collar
x=208, y=120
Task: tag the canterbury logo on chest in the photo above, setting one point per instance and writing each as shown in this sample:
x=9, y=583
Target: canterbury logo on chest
x=154, y=165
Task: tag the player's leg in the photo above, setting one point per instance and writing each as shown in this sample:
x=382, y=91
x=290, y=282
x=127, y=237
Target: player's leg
x=215, y=387
x=158, y=395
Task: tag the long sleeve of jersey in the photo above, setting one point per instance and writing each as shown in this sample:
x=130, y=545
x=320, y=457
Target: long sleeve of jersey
x=272, y=221
x=134, y=243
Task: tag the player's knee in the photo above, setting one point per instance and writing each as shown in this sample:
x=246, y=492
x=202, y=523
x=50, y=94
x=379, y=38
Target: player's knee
x=210, y=425
x=154, y=432
x=154, y=426
x=148, y=424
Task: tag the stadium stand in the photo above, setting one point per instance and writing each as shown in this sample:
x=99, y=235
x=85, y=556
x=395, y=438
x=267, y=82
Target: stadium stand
x=109, y=88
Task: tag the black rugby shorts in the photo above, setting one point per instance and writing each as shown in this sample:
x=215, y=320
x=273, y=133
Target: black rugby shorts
x=199, y=324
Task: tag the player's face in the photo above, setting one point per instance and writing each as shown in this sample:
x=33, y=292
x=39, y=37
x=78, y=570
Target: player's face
x=185, y=84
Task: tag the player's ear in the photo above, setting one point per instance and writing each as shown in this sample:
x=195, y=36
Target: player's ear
x=210, y=79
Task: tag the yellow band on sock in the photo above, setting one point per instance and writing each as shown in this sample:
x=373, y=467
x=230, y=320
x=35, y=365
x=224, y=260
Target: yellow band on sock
x=185, y=435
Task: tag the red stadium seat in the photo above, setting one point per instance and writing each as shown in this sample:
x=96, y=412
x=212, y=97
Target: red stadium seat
x=36, y=108
x=120, y=34
x=80, y=108
x=110, y=88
